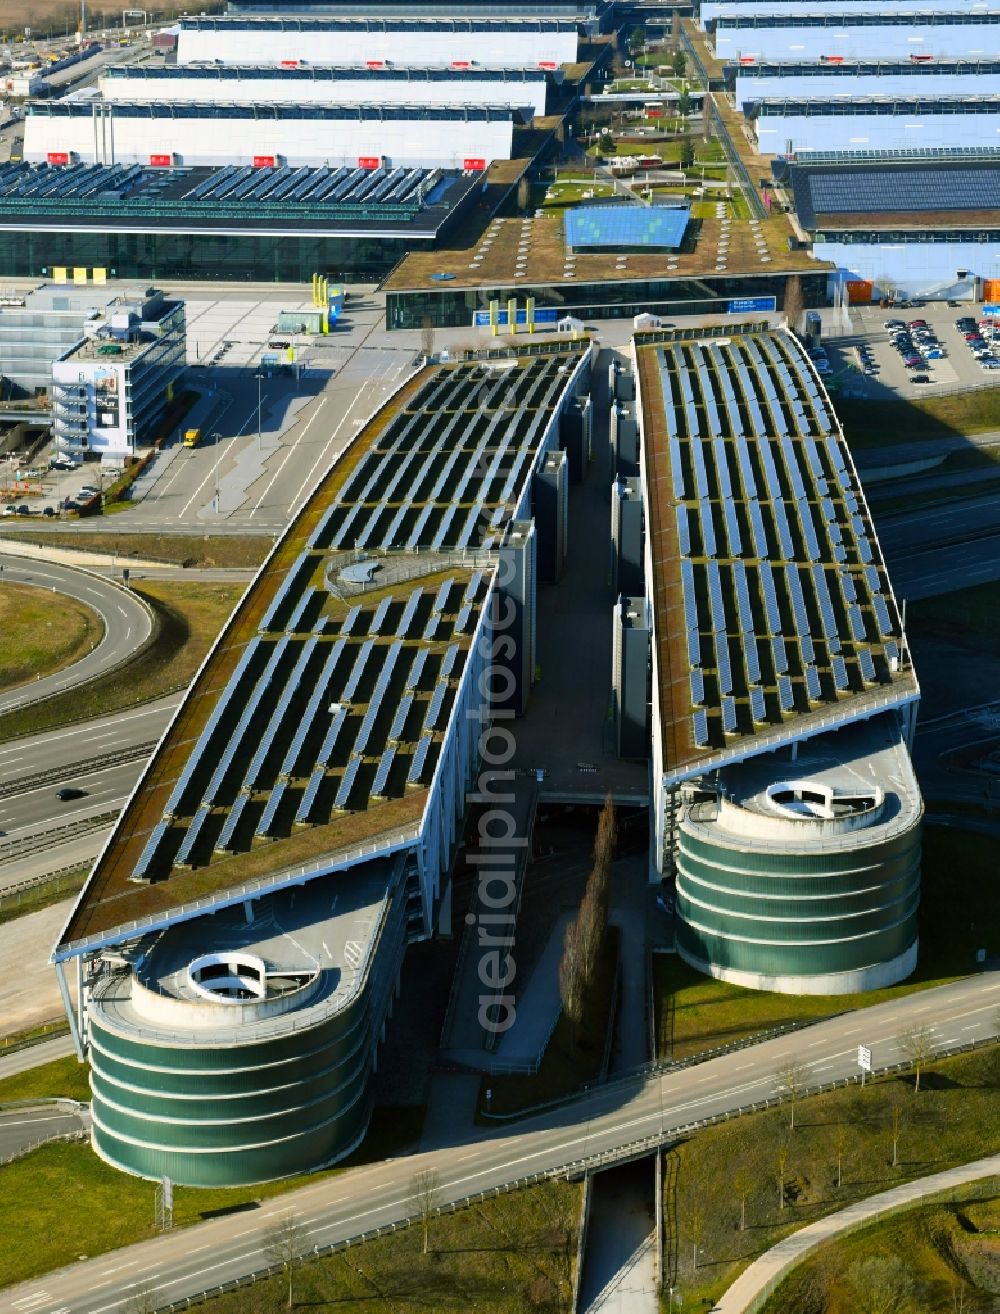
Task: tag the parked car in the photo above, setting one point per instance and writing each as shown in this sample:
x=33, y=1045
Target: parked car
x=24, y=509
x=920, y=378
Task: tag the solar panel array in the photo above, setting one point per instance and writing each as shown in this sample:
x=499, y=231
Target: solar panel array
x=784, y=599
x=332, y=704
x=899, y=190
x=325, y=188
x=656, y=227
x=449, y=466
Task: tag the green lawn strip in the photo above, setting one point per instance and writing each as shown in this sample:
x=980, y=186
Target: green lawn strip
x=869, y=424
x=960, y=901
x=954, y=1119
x=189, y=616
x=220, y=551
x=569, y=1061
x=64, y=1078
x=947, y=1250
x=41, y=632
x=504, y=1256
x=967, y=615
x=18, y=903
x=68, y=1202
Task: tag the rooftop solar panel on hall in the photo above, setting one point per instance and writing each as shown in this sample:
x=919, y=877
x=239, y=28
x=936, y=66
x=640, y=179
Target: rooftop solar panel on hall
x=830, y=191
x=626, y=226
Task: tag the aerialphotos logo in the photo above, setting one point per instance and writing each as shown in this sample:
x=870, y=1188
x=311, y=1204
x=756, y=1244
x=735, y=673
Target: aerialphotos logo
x=497, y=838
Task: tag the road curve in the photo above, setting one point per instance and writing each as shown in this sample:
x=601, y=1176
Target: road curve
x=764, y=1274
x=646, y=1109
x=127, y=625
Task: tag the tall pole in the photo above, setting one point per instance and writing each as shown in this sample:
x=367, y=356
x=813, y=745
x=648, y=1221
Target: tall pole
x=259, y=377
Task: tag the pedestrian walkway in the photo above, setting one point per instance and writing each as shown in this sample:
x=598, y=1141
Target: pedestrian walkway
x=765, y=1273
x=538, y=1008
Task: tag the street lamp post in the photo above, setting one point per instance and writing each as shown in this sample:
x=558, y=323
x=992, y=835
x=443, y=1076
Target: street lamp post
x=260, y=377
x=215, y=470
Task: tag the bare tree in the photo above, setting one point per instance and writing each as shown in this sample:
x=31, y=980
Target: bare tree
x=695, y=1233
x=285, y=1246
x=426, y=1188
x=881, y=1284
x=841, y=1140
x=917, y=1045
x=794, y=302
x=742, y=1184
x=427, y=337
x=585, y=934
x=791, y=1079
x=780, y=1169
x=896, y=1126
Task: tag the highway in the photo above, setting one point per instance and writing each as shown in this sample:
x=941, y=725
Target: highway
x=127, y=625
x=612, y=1119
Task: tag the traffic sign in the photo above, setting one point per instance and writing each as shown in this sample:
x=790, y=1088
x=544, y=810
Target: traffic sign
x=864, y=1058
x=745, y=305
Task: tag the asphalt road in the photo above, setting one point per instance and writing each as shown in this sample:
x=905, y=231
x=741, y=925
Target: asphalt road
x=127, y=625
x=21, y=1128
x=186, y=1262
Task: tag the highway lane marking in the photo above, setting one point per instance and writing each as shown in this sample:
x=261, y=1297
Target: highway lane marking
x=27, y=747
x=33, y=1122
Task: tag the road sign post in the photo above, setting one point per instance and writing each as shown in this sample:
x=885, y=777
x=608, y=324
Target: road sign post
x=864, y=1061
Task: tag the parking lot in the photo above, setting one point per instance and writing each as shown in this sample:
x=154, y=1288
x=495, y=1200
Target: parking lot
x=957, y=368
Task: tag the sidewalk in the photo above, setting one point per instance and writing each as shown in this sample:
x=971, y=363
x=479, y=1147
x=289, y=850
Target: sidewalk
x=765, y=1273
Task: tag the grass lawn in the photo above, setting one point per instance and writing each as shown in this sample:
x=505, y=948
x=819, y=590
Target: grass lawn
x=884, y=423
x=221, y=551
x=189, y=617
x=504, y=1256
x=35, y=897
x=42, y=632
x=44, y=1192
x=566, y=1065
x=954, y=1118
x=696, y=1012
x=949, y=1249
x=64, y=1078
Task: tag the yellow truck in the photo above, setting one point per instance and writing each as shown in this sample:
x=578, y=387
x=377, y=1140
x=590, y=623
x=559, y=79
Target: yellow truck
x=192, y=437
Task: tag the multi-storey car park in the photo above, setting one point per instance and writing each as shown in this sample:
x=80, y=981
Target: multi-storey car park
x=783, y=697
x=240, y=938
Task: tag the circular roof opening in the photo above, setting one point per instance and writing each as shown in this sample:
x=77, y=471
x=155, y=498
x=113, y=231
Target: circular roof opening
x=228, y=978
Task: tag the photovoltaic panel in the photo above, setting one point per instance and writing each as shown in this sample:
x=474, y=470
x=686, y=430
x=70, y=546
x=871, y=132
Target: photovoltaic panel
x=694, y=647
x=725, y=675
x=751, y=657
x=779, y=657
x=347, y=783
x=416, y=771
x=697, y=687
x=690, y=599
x=759, y=533
x=839, y=674
x=786, y=697
x=813, y=687
x=902, y=190
x=732, y=527
x=683, y=533
x=677, y=469
x=708, y=544
x=382, y=774
x=699, y=723
x=757, y=706
x=770, y=597
x=722, y=468
x=856, y=620
x=867, y=665
x=729, y=715
x=743, y=597
x=882, y=615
